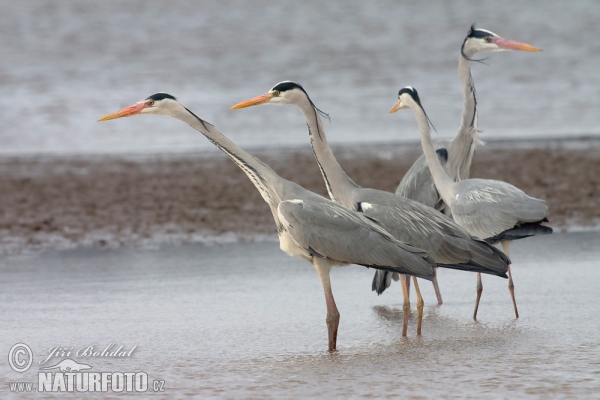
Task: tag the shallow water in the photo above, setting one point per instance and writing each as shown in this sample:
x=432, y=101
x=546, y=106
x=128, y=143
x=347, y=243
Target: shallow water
x=65, y=64
x=245, y=320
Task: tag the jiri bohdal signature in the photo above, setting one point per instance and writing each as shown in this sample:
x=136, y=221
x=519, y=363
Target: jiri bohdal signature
x=89, y=351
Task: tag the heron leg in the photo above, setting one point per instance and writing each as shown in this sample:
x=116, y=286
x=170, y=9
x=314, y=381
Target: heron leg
x=479, y=291
x=438, y=294
x=323, y=267
x=405, y=281
x=511, y=285
x=407, y=278
x=420, y=304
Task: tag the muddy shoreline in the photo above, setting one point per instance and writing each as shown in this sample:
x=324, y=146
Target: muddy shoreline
x=114, y=200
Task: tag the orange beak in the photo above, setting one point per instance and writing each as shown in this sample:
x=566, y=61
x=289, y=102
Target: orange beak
x=125, y=112
x=512, y=45
x=262, y=99
x=396, y=107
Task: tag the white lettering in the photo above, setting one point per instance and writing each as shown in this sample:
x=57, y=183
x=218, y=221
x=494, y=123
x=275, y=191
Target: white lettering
x=44, y=381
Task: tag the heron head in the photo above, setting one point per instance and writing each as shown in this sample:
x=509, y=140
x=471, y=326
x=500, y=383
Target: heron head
x=406, y=95
x=158, y=103
x=286, y=92
x=481, y=40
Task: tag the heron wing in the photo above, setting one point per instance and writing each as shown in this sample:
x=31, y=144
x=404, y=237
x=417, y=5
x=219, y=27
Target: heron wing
x=449, y=244
x=326, y=229
x=487, y=208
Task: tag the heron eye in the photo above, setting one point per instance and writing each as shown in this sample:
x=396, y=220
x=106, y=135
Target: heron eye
x=487, y=38
x=276, y=93
x=150, y=102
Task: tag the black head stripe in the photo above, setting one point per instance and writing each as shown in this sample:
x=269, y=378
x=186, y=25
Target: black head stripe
x=479, y=33
x=287, y=85
x=474, y=33
x=412, y=92
x=161, y=96
x=471, y=30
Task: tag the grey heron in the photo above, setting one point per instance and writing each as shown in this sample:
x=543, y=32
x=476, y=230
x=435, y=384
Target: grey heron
x=493, y=210
x=456, y=155
x=309, y=226
x=409, y=221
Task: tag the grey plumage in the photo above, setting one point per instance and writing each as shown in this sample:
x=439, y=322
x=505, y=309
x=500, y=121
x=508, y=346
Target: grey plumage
x=406, y=220
x=417, y=184
x=326, y=232
x=449, y=244
x=342, y=235
x=494, y=209
x=409, y=221
x=383, y=281
x=489, y=209
x=522, y=230
x=309, y=226
x=484, y=207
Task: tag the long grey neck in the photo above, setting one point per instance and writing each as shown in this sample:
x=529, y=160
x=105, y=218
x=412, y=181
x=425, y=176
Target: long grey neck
x=462, y=147
x=269, y=184
x=468, y=121
x=339, y=185
x=441, y=179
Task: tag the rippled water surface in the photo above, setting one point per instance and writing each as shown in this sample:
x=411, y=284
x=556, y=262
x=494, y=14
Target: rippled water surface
x=245, y=320
x=64, y=64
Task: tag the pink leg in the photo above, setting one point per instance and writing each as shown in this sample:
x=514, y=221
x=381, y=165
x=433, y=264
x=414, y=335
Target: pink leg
x=479, y=291
x=511, y=285
x=420, y=304
x=405, y=281
x=323, y=267
x=333, y=320
x=438, y=294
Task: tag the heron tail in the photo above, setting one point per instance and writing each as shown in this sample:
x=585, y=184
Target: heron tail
x=522, y=231
x=382, y=280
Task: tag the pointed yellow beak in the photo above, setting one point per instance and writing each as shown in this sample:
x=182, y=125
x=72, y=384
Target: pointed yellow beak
x=512, y=45
x=397, y=107
x=125, y=112
x=262, y=99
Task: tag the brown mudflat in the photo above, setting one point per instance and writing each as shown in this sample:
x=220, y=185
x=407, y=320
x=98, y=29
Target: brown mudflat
x=70, y=201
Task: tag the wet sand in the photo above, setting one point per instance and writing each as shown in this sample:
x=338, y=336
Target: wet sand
x=114, y=200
